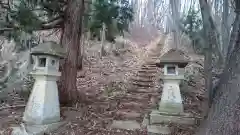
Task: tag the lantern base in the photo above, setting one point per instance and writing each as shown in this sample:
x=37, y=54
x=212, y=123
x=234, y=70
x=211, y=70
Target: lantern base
x=157, y=117
x=170, y=107
x=24, y=129
x=43, y=104
x=158, y=122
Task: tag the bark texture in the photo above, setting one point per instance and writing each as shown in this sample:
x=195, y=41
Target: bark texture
x=208, y=33
x=233, y=36
x=225, y=27
x=81, y=47
x=224, y=116
x=71, y=41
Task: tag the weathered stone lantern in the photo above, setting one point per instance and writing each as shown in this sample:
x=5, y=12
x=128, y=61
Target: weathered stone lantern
x=43, y=104
x=170, y=108
x=173, y=63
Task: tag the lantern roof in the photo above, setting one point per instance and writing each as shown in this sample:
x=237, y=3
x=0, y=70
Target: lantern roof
x=173, y=56
x=49, y=48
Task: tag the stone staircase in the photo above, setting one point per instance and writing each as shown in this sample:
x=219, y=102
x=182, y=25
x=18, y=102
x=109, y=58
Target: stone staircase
x=143, y=96
x=139, y=98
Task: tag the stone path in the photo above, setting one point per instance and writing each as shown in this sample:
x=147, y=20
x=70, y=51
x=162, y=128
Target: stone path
x=143, y=96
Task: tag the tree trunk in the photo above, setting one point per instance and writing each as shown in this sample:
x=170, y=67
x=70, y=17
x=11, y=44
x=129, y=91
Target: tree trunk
x=103, y=38
x=208, y=32
x=225, y=27
x=224, y=118
x=81, y=48
x=71, y=41
x=231, y=45
x=175, y=17
x=233, y=36
x=81, y=53
x=167, y=21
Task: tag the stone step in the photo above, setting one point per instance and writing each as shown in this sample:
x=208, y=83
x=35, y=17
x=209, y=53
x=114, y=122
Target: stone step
x=150, y=64
x=127, y=114
x=143, y=84
x=142, y=79
x=148, y=91
x=149, y=67
x=137, y=96
x=156, y=118
x=154, y=54
x=146, y=75
x=133, y=105
x=158, y=129
x=146, y=81
x=147, y=71
x=153, y=59
x=127, y=125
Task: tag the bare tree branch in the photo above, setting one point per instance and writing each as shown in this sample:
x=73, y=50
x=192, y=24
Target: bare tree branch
x=52, y=24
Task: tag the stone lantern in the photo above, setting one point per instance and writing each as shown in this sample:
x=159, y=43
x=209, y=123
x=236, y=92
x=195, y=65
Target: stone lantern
x=43, y=104
x=173, y=64
x=170, y=108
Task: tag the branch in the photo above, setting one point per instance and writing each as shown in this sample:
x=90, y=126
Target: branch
x=43, y=27
x=55, y=19
x=53, y=23
x=5, y=29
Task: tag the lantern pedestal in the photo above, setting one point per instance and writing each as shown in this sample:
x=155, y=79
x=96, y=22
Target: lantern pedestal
x=43, y=104
x=171, y=100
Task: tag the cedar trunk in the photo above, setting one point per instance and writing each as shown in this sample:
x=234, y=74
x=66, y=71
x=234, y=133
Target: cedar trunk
x=71, y=40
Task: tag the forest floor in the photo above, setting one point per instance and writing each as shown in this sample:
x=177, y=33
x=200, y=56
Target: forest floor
x=105, y=81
